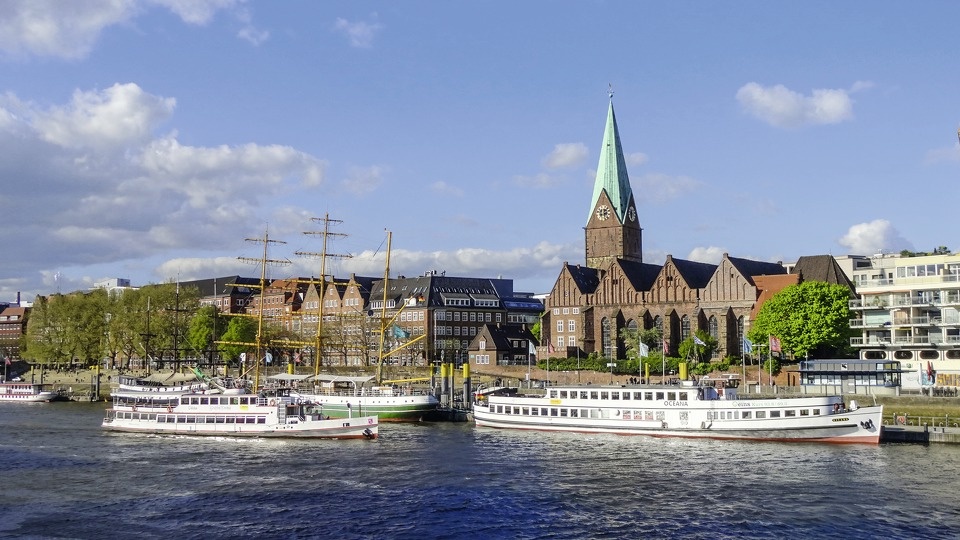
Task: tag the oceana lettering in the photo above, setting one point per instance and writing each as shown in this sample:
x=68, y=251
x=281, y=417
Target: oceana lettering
x=674, y=403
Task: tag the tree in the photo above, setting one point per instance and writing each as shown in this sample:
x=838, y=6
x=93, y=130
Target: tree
x=241, y=331
x=689, y=347
x=812, y=318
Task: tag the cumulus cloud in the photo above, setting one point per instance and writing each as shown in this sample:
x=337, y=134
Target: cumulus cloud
x=360, y=34
x=565, y=155
x=873, y=237
x=781, y=107
x=363, y=180
x=537, y=181
x=636, y=158
x=658, y=187
x=71, y=29
x=712, y=254
x=444, y=188
x=95, y=185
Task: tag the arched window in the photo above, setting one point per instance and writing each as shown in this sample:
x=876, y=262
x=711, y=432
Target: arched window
x=684, y=327
x=658, y=324
x=713, y=328
x=606, y=343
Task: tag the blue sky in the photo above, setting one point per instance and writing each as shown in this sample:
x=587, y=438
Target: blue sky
x=147, y=139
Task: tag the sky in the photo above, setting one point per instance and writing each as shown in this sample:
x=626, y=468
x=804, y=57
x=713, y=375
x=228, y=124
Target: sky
x=151, y=139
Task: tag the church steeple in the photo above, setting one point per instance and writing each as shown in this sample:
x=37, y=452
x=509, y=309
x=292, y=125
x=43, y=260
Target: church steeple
x=612, y=230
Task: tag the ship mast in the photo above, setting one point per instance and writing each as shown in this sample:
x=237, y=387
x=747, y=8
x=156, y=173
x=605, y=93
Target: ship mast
x=264, y=261
x=383, y=308
x=323, y=256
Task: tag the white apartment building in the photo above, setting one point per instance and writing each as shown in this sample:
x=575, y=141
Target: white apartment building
x=909, y=311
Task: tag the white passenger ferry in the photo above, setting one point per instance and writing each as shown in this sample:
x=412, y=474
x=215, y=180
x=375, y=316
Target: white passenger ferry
x=23, y=392
x=683, y=411
x=248, y=415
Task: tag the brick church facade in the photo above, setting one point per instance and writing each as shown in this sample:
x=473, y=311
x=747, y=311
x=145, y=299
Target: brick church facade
x=614, y=289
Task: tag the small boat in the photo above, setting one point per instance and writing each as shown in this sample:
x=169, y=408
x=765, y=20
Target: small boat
x=245, y=415
x=682, y=411
x=341, y=396
x=24, y=392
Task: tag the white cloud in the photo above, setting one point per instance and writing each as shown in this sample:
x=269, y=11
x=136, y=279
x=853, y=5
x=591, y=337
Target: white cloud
x=636, y=158
x=873, y=237
x=361, y=34
x=444, y=188
x=712, y=254
x=565, y=155
x=363, y=180
x=109, y=190
x=538, y=181
x=782, y=107
x=658, y=187
x=69, y=29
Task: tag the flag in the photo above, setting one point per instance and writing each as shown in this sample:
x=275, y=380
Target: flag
x=399, y=333
x=550, y=347
x=644, y=349
x=699, y=341
x=296, y=358
x=774, y=344
x=747, y=345
x=666, y=346
x=269, y=358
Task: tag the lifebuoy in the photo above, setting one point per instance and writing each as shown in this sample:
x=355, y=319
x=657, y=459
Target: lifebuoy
x=273, y=402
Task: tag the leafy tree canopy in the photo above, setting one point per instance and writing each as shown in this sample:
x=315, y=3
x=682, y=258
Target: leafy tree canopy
x=810, y=319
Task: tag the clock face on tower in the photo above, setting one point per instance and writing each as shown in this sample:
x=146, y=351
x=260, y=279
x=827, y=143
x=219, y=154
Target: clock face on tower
x=603, y=212
x=632, y=214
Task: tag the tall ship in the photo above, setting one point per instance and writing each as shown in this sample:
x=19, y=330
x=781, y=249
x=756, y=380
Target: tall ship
x=245, y=415
x=24, y=392
x=340, y=396
x=682, y=411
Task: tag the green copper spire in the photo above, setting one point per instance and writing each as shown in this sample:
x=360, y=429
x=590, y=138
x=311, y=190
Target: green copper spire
x=612, y=170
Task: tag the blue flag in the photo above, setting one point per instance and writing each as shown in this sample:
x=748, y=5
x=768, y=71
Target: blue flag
x=400, y=333
x=698, y=341
x=747, y=345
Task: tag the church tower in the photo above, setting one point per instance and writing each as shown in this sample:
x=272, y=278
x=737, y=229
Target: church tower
x=613, y=230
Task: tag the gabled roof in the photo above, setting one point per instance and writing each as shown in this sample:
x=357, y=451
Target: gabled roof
x=585, y=278
x=612, y=170
x=822, y=268
x=748, y=268
x=502, y=335
x=641, y=275
x=696, y=274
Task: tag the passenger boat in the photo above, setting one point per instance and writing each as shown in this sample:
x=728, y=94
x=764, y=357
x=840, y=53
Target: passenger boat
x=682, y=411
x=163, y=391
x=340, y=396
x=24, y=392
x=248, y=415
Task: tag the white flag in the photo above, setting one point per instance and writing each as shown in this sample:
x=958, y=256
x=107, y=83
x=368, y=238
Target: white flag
x=644, y=350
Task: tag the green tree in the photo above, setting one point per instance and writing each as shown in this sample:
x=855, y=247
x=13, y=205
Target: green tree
x=698, y=353
x=240, y=333
x=204, y=328
x=810, y=319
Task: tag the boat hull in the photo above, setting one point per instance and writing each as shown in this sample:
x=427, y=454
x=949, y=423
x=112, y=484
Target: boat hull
x=237, y=416
x=26, y=393
x=387, y=408
x=809, y=419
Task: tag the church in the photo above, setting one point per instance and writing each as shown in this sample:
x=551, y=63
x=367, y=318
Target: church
x=614, y=288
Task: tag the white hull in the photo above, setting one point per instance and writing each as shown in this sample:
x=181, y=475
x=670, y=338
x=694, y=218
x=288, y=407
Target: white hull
x=25, y=393
x=821, y=419
x=238, y=416
x=389, y=408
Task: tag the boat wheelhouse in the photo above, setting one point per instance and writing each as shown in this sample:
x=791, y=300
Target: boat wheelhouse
x=24, y=392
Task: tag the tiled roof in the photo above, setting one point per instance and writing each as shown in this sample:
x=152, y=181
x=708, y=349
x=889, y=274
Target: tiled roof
x=749, y=268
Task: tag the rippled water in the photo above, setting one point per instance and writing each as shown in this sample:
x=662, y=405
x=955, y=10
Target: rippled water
x=64, y=478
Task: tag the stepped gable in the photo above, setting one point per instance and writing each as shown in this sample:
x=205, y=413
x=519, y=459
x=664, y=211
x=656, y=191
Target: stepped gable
x=750, y=269
x=641, y=275
x=823, y=268
x=696, y=274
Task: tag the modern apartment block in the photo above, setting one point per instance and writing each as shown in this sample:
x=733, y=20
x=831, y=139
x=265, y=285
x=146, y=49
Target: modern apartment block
x=908, y=311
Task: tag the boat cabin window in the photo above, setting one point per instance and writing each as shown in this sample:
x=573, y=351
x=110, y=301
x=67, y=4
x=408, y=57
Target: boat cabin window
x=672, y=396
x=525, y=411
x=761, y=414
x=648, y=396
x=789, y=413
x=594, y=394
x=659, y=396
x=604, y=395
x=816, y=412
x=804, y=412
x=563, y=412
x=615, y=395
x=204, y=401
x=553, y=411
x=774, y=414
x=683, y=396
x=583, y=394
x=573, y=412
x=535, y=411
x=747, y=415
x=234, y=401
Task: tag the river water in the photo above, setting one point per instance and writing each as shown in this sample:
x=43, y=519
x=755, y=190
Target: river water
x=62, y=477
